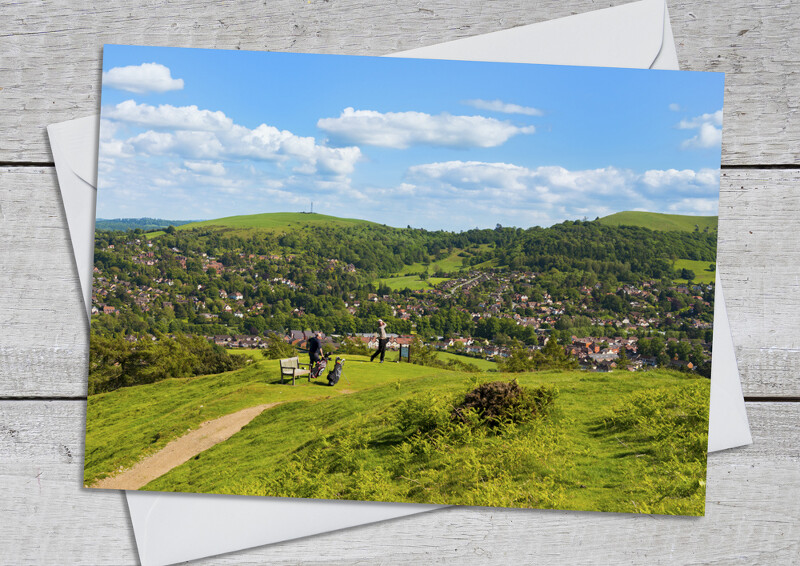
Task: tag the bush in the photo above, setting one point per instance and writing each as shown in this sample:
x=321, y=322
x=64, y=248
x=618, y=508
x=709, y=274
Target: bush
x=500, y=401
x=354, y=347
x=277, y=348
x=552, y=356
x=115, y=362
x=423, y=355
x=421, y=414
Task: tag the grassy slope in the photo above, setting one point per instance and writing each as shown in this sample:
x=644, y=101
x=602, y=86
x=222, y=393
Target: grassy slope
x=274, y=221
x=484, y=365
x=412, y=282
x=591, y=471
x=133, y=422
x=588, y=470
x=662, y=222
x=700, y=268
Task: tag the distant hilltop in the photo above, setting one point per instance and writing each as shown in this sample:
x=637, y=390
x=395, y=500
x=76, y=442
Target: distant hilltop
x=662, y=222
x=298, y=220
x=276, y=221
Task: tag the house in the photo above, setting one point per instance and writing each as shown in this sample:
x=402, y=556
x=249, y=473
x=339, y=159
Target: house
x=221, y=340
x=681, y=364
x=296, y=335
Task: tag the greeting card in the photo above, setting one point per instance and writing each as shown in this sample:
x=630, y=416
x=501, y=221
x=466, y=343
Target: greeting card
x=403, y=280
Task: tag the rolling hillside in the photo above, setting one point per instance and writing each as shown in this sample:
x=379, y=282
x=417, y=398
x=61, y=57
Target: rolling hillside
x=353, y=441
x=275, y=221
x=661, y=222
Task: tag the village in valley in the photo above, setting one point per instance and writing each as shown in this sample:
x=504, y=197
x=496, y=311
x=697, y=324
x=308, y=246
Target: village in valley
x=143, y=286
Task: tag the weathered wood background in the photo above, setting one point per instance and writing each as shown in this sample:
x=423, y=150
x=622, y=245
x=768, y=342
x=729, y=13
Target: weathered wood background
x=50, y=54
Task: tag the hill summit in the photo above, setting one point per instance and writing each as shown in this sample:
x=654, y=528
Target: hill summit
x=276, y=221
x=662, y=222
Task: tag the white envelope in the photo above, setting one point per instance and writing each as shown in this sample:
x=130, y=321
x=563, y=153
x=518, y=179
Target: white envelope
x=173, y=527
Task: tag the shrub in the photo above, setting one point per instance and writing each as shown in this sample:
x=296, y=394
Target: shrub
x=423, y=355
x=422, y=414
x=277, y=348
x=115, y=362
x=500, y=401
x=552, y=356
x=354, y=347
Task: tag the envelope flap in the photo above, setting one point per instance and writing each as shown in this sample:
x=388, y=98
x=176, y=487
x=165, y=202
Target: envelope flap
x=77, y=140
x=628, y=36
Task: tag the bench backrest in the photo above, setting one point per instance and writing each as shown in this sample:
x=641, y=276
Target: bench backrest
x=290, y=363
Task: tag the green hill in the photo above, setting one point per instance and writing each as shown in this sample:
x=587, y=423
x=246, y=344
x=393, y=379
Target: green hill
x=661, y=222
x=275, y=221
x=600, y=448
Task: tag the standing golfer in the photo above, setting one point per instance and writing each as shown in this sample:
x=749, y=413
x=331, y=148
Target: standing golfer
x=315, y=352
x=382, y=341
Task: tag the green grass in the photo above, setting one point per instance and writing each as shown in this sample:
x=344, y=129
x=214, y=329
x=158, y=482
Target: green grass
x=700, y=268
x=601, y=449
x=661, y=222
x=275, y=221
x=449, y=264
x=133, y=422
x=412, y=282
x=484, y=365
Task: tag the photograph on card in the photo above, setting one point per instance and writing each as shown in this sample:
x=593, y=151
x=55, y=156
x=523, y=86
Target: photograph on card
x=403, y=280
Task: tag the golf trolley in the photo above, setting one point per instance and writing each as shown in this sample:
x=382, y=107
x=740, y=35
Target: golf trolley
x=333, y=375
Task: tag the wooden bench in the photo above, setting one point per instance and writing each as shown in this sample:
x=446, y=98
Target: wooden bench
x=290, y=367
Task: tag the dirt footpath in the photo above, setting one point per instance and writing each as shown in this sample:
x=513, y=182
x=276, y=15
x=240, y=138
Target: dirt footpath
x=182, y=449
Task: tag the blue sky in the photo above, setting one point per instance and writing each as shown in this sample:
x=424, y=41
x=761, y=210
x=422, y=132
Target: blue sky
x=199, y=134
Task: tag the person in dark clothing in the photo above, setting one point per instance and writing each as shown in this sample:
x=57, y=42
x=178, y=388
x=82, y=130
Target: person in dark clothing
x=315, y=348
x=382, y=341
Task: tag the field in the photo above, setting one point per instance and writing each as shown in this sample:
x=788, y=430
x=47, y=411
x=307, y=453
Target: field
x=484, y=365
x=412, y=282
x=701, y=272
x=612, y=441
x=661, y=222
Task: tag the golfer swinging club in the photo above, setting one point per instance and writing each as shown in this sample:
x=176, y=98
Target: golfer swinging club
x=382, y=341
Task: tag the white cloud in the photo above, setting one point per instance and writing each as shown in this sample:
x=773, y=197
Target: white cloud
x=197, y=134
x=708, y=136
x=147, y=77
x=504, y=107
x=549, y=183
x=403, y=129
x=697, y=121
x=694, y=206
x=709, y=128
x=205, y=167
x=552, y=193
x=675, y=107
x=472, y=175
x=672, y=178
x=168, y=116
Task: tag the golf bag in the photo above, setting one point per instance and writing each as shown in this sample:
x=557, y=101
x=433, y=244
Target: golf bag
x=319, y=367
x=336, y=373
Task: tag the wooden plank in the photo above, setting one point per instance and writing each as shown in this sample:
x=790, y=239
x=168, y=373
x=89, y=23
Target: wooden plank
x=50, y=68
x=44, y=347
x=47, y=516
x=759, y=262
x=751, y=514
